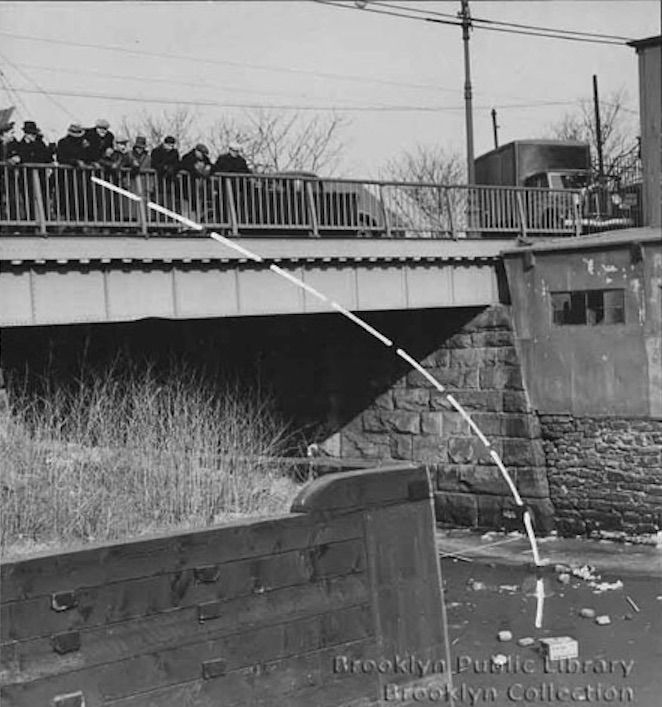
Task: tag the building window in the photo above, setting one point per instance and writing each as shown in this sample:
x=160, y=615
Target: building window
x=588, y=307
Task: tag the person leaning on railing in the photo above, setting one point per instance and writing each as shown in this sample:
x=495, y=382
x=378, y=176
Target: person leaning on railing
x=198, y=165
x=166, y=164
x=8, y=157
x=98, y=139
x=29, y=150
x=72, y=150
x=230, y=162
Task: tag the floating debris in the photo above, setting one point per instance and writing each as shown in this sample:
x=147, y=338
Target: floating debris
x=587, y=613
x=630, y=601
x=560, y=569
x=505, y=636
x=476, y=586
x=526, y=641
x=586, y=572
x=599, y=587
x=509, y=587
x=603, y=620
x=564, y=578
x=499, y=659
x=560, y=648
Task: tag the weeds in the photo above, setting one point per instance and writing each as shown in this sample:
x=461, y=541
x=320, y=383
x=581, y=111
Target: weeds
x=124, y=453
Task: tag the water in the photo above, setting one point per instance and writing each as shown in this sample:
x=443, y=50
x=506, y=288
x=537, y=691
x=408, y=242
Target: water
x=617, y=664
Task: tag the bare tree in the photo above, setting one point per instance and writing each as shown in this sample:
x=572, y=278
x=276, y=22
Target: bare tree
x=619, y=133
x=181, y=123
x=429, y=164
x=423, y=202
x=283, y=141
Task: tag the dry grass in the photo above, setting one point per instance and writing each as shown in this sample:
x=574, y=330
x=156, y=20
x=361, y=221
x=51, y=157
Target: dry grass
x=120, y=455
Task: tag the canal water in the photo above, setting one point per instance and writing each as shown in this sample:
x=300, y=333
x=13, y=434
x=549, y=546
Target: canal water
x=616, y=663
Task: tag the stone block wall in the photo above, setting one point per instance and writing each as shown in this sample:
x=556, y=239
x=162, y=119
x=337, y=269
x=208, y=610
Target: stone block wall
x=411, y=420
x=605, y=474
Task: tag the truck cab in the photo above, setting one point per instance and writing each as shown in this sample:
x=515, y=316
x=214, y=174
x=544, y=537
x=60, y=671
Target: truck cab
x=577, y=179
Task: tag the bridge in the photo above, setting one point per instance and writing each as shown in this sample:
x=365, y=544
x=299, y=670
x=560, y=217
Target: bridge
x=74, y=252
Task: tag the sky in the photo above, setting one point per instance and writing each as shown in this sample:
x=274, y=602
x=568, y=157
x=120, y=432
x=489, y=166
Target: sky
x=398, y=83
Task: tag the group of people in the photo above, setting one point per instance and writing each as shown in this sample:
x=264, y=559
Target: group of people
x=98, y=147
x=70, y=196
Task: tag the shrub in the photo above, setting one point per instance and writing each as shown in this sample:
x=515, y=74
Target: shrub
x=124, y=452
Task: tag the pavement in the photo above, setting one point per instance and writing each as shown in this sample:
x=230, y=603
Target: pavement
x=514, y=549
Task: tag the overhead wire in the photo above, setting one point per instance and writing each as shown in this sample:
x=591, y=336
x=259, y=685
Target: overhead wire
x=288, y=106
x=551, y=34
x=555, y=30
x=39, y=88
x=227, y=62
x=13, y=96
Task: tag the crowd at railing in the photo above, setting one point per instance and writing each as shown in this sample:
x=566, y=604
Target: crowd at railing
x=45, y=188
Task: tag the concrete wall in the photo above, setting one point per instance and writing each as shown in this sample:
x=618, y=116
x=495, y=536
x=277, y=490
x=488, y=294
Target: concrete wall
x=261, y=613
x=605, y=474
x=613, y=369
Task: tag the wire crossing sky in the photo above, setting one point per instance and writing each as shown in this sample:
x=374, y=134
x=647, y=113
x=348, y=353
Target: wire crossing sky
x=398, y=81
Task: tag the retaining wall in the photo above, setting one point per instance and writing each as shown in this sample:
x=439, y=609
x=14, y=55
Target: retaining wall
x=479, y=365
x=605, y=474
x=244, y=613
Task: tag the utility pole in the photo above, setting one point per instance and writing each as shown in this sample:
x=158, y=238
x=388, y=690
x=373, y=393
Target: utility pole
x=465, y=16
x=495, y=128
x=598, y=130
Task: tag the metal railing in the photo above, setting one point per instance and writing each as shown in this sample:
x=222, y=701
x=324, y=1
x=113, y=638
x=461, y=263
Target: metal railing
x=51, y=199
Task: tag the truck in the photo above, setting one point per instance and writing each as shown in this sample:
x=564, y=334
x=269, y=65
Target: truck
x=546, y=164
x=556, y=165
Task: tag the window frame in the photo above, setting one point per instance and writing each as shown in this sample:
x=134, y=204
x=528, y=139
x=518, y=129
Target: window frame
x=590, y=307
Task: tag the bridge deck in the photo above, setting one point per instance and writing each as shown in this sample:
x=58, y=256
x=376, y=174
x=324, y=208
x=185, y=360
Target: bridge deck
x=68, y=280
x=30, y=249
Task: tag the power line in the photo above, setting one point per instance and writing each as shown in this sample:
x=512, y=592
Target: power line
x=555, y=30
x=224, y=104
x=143, y=79
x=552, y=34
x=39, y=88
x=226, y=62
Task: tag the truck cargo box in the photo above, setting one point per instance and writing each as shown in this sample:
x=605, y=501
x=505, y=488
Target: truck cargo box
x=513, y=163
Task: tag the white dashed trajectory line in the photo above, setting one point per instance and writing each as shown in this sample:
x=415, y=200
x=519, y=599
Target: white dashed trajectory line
x=526, y=516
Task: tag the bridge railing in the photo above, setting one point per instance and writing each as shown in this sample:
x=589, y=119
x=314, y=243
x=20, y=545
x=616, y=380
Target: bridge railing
x=54, y=198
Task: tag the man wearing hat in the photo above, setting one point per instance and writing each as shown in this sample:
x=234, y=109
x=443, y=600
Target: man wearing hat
x=165, y=157
x=8, y=143
x=31, y=149
x=197, y=163
x=72, y=148
x=72, y=191
x=99, y=139
x=232, y=161
x=140, y=154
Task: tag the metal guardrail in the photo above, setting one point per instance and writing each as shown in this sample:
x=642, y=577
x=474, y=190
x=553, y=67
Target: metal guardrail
x=52, y=199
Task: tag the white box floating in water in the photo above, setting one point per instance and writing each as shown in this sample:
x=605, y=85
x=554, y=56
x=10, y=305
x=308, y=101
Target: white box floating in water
x=562, y=647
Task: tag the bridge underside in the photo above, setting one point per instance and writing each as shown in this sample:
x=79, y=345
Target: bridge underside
x=96, y=280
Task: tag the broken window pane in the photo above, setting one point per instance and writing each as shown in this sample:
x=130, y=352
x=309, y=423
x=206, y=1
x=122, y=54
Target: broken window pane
x=588, y=307
x=595, y=311
x=614, y=306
